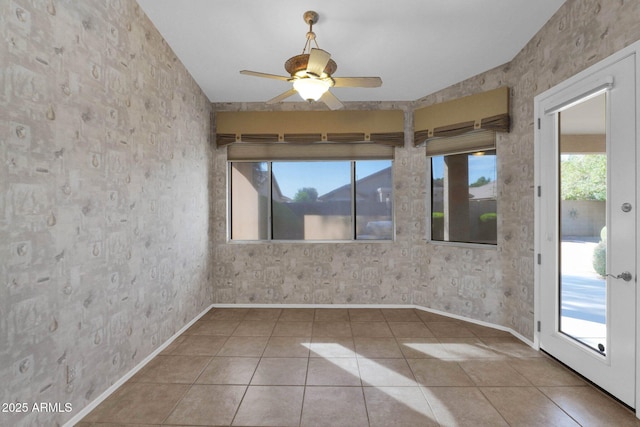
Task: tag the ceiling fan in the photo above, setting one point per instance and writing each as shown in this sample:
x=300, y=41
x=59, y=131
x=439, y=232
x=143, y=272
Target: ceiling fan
x=312, y=73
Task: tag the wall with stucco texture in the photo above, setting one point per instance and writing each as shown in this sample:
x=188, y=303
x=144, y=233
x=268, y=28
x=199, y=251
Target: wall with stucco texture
x=492, y=285
x=104, y=159
x=322, y=273
x=580, y=34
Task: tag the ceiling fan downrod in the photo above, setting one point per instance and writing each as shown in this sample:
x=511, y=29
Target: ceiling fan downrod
x=310, y=17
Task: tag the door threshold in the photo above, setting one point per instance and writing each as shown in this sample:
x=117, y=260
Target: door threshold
x=631, y=408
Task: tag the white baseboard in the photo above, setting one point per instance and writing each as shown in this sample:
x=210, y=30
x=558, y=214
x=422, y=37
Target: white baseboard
x=91, y=406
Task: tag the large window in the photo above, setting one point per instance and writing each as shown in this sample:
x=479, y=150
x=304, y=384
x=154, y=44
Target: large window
x=311, y=200
x=463, y=197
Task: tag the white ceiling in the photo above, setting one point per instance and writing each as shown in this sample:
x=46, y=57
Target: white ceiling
x=417, y=47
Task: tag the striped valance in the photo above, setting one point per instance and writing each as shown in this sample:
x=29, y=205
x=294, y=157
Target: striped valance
x=385, y=127
x=483, y=111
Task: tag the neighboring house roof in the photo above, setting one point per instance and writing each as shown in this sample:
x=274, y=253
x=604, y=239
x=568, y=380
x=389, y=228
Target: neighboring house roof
x=487, y=191
x=365, y=187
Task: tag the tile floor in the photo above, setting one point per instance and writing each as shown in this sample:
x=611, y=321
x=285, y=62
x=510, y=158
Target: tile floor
x=352, y=367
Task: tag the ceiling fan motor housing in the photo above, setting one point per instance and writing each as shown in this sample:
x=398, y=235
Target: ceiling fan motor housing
x=298, y=63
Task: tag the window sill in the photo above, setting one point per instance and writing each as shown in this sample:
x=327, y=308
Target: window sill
x=268, y=242
x=486, y=246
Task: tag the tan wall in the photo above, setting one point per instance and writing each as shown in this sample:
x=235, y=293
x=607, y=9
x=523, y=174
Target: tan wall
x=327, y=227
x=104, y=210
x=583, y=218
x=247, y=207
x=493, y=285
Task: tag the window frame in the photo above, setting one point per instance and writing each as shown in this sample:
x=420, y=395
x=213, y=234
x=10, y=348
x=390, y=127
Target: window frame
x=353, y=221
x=429, y=205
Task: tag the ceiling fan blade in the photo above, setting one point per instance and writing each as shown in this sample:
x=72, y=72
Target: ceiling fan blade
x=357, y=81
x=269, y=76
x=282, y=96
x=332, y=102
x=318, y=60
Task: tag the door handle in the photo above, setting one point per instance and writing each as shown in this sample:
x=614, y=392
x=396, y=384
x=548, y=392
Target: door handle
x=625, y=275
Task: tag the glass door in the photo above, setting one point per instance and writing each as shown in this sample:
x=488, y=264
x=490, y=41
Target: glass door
x=586, y=225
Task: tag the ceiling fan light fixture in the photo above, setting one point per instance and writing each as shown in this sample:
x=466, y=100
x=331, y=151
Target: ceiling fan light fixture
x=311, y=73
x=311, y=89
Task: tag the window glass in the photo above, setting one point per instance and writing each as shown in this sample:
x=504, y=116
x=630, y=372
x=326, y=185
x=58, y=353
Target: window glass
x=249, y=200
x=311, y=200
x=463, y=198
x=374, y=201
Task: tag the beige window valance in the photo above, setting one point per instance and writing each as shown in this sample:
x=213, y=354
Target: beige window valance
x=483, y=111
x=481, y=140
x=382, y=127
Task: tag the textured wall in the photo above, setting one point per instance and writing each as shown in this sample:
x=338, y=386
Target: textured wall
x=580, y=34
x=322, y=273
x=493, y=285
x=399, y=272
x=103, y=199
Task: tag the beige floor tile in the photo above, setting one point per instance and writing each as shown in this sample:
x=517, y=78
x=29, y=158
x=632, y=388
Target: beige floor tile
x=172, y=369
x=366, y=315
x=208, y=405
x=449, y=330
x=297, y=315
x=174, y=344
x=378, y=348
x=546, y=372
x=462, y=407
x=332, y=347
x=233, y=314
x=591, y=407
x=270, y=406
x=244, y=346
x=335, y=371
x=423, y=348
x=398, y=407
x=263, y=314
x=386, y=373
x=331, y=329
x=333, y=375
x=287, y=347
x=468, y=348
x=526, y=406
x=493, y=373
x=200, y=345
x=370, y=329
x=400, y=315
x=292, y=329
x=229, y=370
x=510, y=347
x=485, y=331
x=217, y=327
x=410, y=330
x=254, y=328
x=442, y=373
x=137, y=403
x=331, y=315
x=280, y=371
x=334, y=407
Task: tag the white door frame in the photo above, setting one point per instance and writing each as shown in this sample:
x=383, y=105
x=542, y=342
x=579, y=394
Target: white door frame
x=630, y=50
